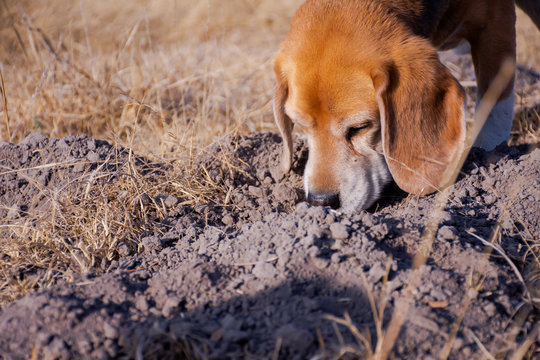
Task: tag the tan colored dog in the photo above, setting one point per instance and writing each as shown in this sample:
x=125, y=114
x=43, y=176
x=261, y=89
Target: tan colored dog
x=363, y=80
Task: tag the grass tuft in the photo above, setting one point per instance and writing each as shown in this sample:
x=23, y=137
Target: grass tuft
x=92, y=220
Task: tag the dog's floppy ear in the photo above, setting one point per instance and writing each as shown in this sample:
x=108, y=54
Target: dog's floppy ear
x=283, y=122
x=421, y=108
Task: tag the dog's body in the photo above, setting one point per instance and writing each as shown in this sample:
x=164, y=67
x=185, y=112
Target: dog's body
x=363, y=80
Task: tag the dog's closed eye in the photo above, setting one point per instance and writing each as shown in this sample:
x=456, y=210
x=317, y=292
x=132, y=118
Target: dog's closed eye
x=356, y=130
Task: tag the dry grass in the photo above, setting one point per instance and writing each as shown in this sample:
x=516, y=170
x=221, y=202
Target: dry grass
x=92, y=220
x=183, y=71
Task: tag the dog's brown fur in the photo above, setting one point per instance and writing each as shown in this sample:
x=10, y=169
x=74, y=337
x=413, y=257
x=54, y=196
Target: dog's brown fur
x=363, y=79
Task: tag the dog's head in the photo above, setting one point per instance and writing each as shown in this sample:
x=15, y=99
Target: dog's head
x=374, y=102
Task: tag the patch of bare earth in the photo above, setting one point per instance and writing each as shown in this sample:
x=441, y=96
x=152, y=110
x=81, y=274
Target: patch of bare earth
x=260, y=273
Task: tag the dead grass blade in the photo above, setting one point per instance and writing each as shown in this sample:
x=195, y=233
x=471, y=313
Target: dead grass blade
x=481, y=346
x=510, y=262
x=5, y=103
x=523, y=348
x=469, y=296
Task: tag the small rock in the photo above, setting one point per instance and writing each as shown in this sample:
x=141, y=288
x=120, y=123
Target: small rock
x=255, y=215
x=376, y=272
x=79, y=167
x=437, y=294
x=57, y=349
x=13, y=212
x=490, y=309
x=227, y=220
x=264, y=270
x=368, y=220
x=92, y=156
x=337, y=245
x=302, y=208
x=170, y=201
x=446, y=217
x=91, y=144
x=277, y=173
x=472, y=192
x=171, y=304
x=490, y=199
x=316, y=212
x=466, y=352
x=152, y=243
x=141, y=303
x=336, y=258
x=446, y=233
x=110, y=331
x=255, y=191
x=43, y=338
x=85, y=346
x=321, y=263
x=458, y=344
x=200, y=208
x=339, y=231
x=123, y=250
x=313, y=251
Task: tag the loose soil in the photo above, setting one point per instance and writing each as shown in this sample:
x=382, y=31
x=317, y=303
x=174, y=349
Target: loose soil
x=260, y=273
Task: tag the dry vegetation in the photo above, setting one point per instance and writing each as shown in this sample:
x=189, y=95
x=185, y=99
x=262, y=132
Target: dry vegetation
x=163, y=77
x=184, y=71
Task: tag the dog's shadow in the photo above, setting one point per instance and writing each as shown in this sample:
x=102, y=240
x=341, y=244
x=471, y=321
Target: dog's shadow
x=390, y=196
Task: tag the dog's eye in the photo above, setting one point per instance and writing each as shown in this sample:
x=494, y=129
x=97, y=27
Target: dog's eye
x=355, y=130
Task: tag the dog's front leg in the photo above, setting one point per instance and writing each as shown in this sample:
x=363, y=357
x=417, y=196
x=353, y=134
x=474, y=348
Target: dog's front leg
x=491, y=46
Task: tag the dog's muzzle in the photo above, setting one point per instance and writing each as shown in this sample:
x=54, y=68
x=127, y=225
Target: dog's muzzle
x=324, y=199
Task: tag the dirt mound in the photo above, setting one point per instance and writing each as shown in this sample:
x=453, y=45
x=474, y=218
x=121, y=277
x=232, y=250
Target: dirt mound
x=258, y=272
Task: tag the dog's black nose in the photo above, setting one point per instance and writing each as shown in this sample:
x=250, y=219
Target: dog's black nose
x=323, y=199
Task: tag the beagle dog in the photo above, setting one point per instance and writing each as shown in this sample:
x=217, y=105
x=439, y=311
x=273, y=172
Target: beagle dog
x=363, y=80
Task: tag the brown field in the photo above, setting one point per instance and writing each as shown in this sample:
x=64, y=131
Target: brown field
x=160, y=76
x=185, y=72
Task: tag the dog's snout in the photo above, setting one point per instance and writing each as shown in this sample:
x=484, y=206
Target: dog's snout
x=323, y=199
